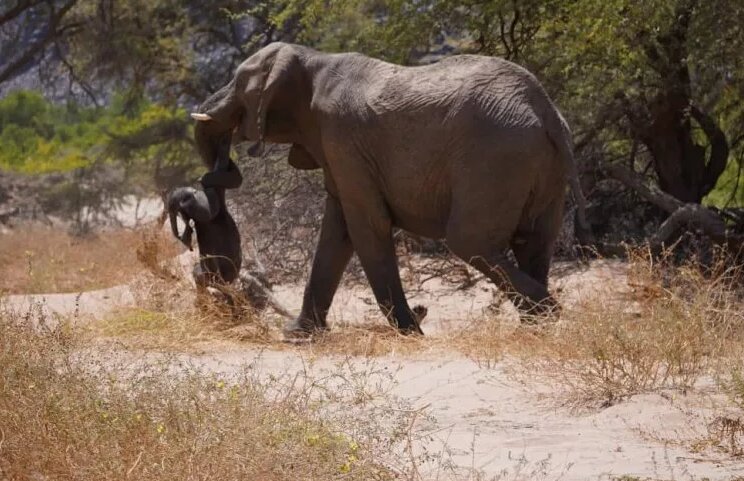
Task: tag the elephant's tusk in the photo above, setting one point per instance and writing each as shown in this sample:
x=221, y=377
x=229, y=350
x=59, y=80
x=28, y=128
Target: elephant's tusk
x=200, y=117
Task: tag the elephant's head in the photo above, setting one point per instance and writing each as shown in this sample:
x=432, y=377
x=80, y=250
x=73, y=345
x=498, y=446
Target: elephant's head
x=263, y=102
x=178, y=202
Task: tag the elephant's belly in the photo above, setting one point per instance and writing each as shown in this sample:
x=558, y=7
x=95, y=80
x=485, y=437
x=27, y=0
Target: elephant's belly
x=419, y=197
x=422, y=227
x=428, y=218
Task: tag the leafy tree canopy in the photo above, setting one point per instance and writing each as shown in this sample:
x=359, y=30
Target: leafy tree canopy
x=37, y=136
x=656, y=85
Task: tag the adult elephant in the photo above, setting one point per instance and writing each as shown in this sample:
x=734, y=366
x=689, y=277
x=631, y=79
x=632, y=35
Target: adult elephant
x=470, y=149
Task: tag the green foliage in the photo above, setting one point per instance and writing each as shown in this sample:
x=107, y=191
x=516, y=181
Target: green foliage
x=587, y=53
x=37, y=136
x=729, y=191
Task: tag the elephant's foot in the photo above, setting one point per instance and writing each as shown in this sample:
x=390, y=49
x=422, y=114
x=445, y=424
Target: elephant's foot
x=419, y=313
x=536, y=313
x=302, y=328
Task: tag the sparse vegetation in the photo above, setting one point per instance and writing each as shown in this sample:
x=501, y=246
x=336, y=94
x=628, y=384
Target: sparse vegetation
x=652, y=90
x=68, y=413
x=41, y=259
x=675, y=325
x=667, y=325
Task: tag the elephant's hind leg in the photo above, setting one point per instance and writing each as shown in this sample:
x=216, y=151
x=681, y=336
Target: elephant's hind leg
x=528, y=295
x=534, y=242
x=485, y=250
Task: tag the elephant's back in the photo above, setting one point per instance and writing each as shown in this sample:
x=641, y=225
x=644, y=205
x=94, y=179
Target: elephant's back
x=485, y=89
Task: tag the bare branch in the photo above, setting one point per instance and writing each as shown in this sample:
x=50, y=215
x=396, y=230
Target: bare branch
x=73, y=75
x=682, y=214
x=17, y=10
x=512, y=29
x=650, y=193
x=53, y=33
x=502, y=35
x=719, y=149
x=694, y=215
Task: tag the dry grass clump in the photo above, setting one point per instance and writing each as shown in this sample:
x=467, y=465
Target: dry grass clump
x=169, y=316
x=725, y=432
x=42, y=260
x=168, y=313
x=65, y=414
x=679, y=323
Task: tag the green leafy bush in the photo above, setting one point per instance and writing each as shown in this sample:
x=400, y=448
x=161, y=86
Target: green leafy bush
x=38, y=136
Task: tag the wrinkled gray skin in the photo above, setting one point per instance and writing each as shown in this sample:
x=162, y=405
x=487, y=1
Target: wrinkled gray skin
x=217, y=236
x=470, y=149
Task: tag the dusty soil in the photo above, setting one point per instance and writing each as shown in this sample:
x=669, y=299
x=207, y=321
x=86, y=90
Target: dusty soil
x=481, y=418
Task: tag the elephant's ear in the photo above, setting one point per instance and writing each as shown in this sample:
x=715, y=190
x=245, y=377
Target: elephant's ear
x=280, y=72
x=299, y=158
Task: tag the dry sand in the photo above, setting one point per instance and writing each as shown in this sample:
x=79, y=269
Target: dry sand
x=484, y=418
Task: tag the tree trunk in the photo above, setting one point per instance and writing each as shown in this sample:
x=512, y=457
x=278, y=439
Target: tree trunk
x=683, y=215
x=685, y=169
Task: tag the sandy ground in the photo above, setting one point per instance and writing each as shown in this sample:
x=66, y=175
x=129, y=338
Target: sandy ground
x=484, y=418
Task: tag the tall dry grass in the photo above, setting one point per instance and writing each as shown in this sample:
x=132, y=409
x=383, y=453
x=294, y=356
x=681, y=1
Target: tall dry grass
x=41, y=259
x=674, y=325
x=67, y=412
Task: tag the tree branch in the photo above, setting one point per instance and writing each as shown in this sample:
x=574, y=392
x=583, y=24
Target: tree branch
x=649, y=193
x=38, y=47
x=512, y=29
x=682, y=214
x=719, y=149
x=20, y=7
x=502, y=35
x=73, y=75
x=691, y=215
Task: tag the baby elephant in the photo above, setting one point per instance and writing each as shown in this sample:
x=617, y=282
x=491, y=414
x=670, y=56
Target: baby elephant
x=220, y=254
x=216, y=233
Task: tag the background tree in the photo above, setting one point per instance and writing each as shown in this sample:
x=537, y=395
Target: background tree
x=653, y=87
x=28, y=28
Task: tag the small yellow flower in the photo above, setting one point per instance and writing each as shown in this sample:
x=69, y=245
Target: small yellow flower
x=234, y=393
x=220, y=384
x=160, y=428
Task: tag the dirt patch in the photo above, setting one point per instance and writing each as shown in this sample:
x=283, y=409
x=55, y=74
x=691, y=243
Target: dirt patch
x=42, y=259
x=484, y=412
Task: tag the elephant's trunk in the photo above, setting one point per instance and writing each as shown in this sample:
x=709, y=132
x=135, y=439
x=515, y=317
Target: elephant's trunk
x=212, y=144
x=217, y=118
x=173, y=214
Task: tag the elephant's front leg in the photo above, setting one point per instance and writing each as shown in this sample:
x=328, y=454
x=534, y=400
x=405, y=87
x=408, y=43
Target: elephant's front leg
x=331, y=257
x=371, y=234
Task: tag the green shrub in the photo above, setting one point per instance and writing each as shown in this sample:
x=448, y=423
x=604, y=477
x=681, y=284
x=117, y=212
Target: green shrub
x=38, y=136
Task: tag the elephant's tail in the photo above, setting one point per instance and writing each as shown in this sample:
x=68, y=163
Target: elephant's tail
x=560, y=135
